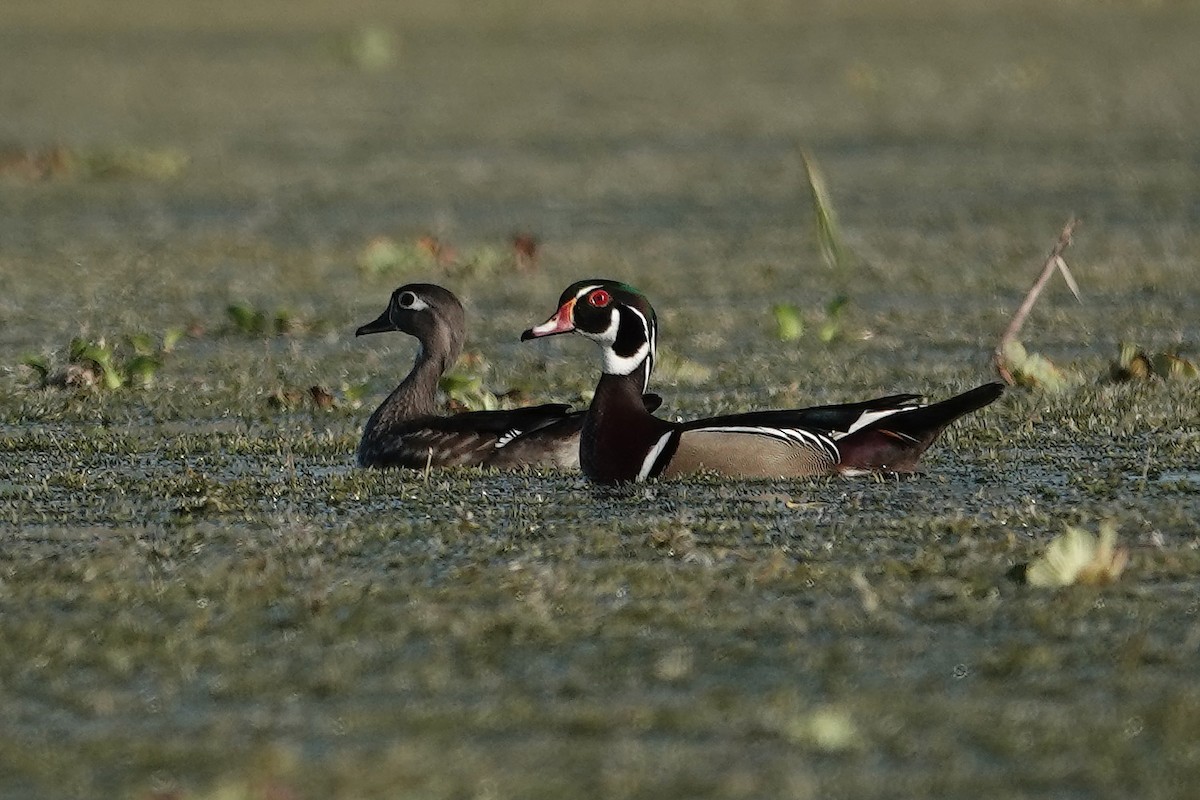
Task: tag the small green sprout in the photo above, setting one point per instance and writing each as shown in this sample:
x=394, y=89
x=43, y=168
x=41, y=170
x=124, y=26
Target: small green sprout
x=171, y=338
x=831, y=328
x=355, y=393
x=255, y=321
x=98, y=358
x=96, y=363
x=142, y=369
x=789, y=324
x=247, y=319
x=789, y=321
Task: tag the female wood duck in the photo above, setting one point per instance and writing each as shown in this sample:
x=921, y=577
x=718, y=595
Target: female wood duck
x=405, y=432
x=621, y=441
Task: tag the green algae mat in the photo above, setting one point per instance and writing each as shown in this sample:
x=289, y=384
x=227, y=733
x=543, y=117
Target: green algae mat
x=202, y=597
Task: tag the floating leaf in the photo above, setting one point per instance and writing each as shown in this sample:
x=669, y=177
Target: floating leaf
x=1078, y=557
x=247, y=318
x=436, y=249
x=96, y=363
x=261, y=322
x=98, y=357
x=381, y=255
x=142, y=343
x=829, y=728
x=171, y=338
x=354, y=393
x=1032, y=370
x=285, y=322
x=141, y=369
x=1173, y=365
x=789, y=325
x=1133, y=363
x=385, y=256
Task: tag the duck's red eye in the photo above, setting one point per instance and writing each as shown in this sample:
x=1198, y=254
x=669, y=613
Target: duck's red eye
x=599, y=298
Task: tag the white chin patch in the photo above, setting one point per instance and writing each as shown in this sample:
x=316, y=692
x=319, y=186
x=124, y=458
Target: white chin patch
x=613, y=363
x=623, y=365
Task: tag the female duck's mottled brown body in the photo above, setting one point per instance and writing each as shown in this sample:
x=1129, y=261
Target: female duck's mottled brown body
x=621, y=441
x=405, y=431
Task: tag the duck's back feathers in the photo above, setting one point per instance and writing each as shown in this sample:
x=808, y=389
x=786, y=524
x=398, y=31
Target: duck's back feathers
x=477, y=438
x=839, y=418
x=895, y=443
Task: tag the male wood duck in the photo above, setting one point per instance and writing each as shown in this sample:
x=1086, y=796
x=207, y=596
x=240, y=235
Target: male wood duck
x=406, y=432
x=621, y=441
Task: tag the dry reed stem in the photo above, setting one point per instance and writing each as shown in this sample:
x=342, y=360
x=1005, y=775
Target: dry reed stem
x=1053, y=261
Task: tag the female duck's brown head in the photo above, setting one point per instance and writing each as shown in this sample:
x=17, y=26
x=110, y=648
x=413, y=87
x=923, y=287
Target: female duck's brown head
x=430, y=313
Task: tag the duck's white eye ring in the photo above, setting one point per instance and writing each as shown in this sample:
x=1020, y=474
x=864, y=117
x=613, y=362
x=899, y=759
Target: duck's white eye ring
x=406, y=300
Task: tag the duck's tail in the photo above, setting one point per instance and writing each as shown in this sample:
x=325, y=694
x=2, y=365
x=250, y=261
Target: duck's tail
x=895, y=443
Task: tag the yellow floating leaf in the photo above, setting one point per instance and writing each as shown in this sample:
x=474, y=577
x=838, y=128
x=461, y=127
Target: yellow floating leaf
x=1032, y=370
x=1134, y=363
x=1078, y=557
x=829, y=728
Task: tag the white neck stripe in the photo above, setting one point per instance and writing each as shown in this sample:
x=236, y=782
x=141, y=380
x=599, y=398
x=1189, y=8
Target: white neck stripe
x=624, y=365
x=652, y=456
